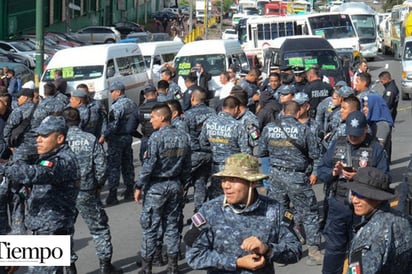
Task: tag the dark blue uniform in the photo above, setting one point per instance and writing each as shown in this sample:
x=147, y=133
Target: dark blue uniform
x=166, y=167
x=338, y=229
x=289, y=164
x=218, y=245
x=222, y=135
x=201, y=160
x=119, y=144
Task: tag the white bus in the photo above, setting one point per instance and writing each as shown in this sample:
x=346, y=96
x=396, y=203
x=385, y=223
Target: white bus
x=259, y=32
x=364, y=20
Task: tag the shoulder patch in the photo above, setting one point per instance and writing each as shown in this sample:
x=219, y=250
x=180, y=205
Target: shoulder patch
x=46, y=163
x=388, y=93
x=198, y=220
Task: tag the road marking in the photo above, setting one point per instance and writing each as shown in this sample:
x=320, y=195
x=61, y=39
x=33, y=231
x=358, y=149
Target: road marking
x=405, y=108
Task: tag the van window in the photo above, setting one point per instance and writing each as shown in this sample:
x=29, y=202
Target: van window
x=130, y=65
x=408, y=51
x=168, y=57
x=326, y=59
x=213, y=64
x=75, y=73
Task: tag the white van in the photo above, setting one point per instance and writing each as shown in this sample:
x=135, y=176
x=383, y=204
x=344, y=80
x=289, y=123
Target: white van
x=99, y=65
x=156, y=54
x=216, y=56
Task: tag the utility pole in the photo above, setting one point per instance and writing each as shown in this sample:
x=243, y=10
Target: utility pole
x=39, y=42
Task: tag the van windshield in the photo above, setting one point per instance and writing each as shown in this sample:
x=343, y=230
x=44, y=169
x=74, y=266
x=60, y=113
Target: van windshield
x=407, y=53
x=324, y=59
x=213, y=64
x=75, y=73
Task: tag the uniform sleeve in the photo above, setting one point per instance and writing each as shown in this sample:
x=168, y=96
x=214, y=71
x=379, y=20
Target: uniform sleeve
x=202, y=255
x=326, y=165
x=149, y=162
x=288, y=249
x=204, y=140
x=14, y=120
x=243, y=140
x=263, y=144
x=100, y=164
x=380, y=158
x=313, y=144
x=39, y=174
x=115, y=115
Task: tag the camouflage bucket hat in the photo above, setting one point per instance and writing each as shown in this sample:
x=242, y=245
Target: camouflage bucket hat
x=243, y=166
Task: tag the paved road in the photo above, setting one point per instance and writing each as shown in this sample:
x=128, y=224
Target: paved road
x=125, y=226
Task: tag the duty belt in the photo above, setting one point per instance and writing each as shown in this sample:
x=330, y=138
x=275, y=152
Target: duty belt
x=285, y=169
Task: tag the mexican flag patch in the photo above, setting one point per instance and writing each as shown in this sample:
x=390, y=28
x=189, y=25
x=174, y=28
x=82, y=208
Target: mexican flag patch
x=46, y=163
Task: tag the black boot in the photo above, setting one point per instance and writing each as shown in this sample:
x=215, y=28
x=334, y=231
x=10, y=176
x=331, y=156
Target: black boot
x=128, y=193
x=172, y=266
x=112, y=198
x=146, y=267
x=106, y=267
x=158, y=257
x=71, y=269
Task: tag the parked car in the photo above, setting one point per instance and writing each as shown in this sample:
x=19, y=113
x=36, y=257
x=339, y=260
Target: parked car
x=21, y=71
x=229, y=34
x=139, y=37
x=160, y=15
x=127, y=27
x=21, y=48
x=160, y=36
x=65, y=39
x=8, y=56
x=98, y=35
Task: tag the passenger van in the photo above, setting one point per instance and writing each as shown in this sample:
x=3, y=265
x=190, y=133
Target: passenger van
x=216, y=56
x=98, y=66
x=305, y=51
x=406, y=65
x=158, y=53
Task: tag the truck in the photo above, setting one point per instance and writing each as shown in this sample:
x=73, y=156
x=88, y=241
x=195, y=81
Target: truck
x=278, y=8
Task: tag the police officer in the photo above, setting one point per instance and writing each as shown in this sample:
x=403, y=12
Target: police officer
x=51, y=183
x=92, y=161
x=383, y=242
x=174, y=91
x=89, y=117
x=363, y=82
x=150, y=96
x=50, y=105
x=299, y=80
x=341, y=162
x=250, y=84
x=201, y=160
x=177, y=115
x=24, y=149
x=316, y=89
x=98, y=115
x=223, y=136
x=249, y=120
x=241, y=231
x=119, y=144
x=166, y=168
x=291, y=147
x=391, y=93
x=336, y=129
x=325, y=108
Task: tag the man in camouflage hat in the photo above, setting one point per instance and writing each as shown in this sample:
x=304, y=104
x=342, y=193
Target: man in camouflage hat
x=262, y=227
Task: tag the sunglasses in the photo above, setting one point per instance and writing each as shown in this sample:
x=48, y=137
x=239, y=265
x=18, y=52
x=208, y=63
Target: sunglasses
x=357, y=195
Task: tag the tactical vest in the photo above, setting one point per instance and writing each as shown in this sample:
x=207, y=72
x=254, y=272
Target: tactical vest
x=361, y=158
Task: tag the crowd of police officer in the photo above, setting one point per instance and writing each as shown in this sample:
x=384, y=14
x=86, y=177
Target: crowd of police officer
x=303, y=130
